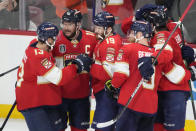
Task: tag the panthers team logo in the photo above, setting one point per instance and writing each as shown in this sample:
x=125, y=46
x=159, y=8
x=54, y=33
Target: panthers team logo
x=110, y=57
x=46, y=63
x=62, y=48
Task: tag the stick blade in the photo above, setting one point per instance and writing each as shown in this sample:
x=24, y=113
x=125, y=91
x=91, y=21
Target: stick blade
x=105, y=124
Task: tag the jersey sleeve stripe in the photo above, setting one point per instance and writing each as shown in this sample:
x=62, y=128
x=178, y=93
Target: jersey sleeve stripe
x=159, y=46
x=122, y=67
x=98, y=62
x=42, y=80
x=54, y=75
x=109, y=68
x=176, y=75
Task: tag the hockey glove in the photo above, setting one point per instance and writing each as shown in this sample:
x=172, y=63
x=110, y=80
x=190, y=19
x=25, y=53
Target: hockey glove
x=111, y=91
x=143, y=12
x=188, y=54
x=83, y=61
x=193, y=72
x=68, y=62
x=145, y=67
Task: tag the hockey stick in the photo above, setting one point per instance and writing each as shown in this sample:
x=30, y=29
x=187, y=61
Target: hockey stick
x=192, y=102
x=190, y=86
x=8, y=115
x=111, y=122
x=2, y=74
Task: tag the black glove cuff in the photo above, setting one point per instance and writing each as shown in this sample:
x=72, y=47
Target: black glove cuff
x=79, y=63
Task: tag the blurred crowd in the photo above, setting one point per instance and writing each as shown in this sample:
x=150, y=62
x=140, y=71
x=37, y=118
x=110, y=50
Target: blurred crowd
x=28, y=14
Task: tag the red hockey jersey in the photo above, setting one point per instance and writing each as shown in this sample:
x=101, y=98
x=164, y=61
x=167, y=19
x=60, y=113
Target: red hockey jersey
x=157, y=42
x=127, y=77
x=166, y=85
x=171, y=52
x=37, y=78
x=104, y=56
x=64, y=51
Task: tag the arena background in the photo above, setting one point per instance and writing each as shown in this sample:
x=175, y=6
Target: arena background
x=16, y=32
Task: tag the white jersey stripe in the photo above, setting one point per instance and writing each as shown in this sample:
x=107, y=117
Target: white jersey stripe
x=159, y=46
x=176, y=74
x=109, y=68
x=54, y=75
x=122, y=67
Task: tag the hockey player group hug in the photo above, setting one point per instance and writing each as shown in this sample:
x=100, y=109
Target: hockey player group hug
x=61, y=69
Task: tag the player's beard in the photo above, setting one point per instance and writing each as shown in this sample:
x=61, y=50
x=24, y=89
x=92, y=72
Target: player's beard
x=73, y=33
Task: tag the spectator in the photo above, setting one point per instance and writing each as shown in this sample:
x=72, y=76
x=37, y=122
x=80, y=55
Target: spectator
x=63, y=5
x=9, y=14
x=42, y=10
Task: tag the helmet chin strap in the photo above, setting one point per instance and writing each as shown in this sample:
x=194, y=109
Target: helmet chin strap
x=100, y=37
x=106, y=35
x=137, y=40
x=50, y=45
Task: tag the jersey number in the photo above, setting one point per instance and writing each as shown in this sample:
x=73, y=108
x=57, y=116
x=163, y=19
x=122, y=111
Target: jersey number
x=110, y=40
x=20, y=75
x=38, y=51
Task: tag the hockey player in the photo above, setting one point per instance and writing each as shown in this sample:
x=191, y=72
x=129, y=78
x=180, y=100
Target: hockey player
x=134, y=61
x=71, y=42
x=172, y=98
x=102, y=70
x=37, y=94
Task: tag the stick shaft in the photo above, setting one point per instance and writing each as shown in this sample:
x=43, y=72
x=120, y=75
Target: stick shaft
x=8, y=116
x=2, y=74
x=186, y=10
